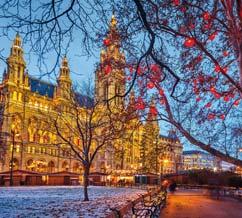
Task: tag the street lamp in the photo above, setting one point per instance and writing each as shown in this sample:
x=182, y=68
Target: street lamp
x=14, y=134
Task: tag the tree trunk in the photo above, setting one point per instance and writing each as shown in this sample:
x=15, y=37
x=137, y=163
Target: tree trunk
x=86, y=182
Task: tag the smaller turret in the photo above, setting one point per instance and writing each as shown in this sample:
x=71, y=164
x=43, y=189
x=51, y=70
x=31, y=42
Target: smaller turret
x=63, y=89
x=16, y=64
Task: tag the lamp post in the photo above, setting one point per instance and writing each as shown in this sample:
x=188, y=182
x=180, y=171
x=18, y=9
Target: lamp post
x=12, y=154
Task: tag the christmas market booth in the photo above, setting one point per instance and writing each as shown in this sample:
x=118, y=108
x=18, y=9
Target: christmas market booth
x=146, y=179
x=62, y=178
x=20, y=177
x=97, y=179
x=120, y=178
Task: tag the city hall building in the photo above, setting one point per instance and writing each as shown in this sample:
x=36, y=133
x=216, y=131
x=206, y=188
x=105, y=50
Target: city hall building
x=26, y=100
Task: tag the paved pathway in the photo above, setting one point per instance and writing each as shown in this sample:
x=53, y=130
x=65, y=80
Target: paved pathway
x=198, y=204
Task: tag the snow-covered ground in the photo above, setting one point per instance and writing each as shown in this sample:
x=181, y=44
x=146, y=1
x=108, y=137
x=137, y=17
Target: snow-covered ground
x=62, y=201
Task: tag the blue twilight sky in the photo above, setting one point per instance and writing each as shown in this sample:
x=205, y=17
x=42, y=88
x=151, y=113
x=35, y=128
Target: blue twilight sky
x=82, y=67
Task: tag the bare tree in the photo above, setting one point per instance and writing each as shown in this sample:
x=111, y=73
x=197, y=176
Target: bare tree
x=85, y=126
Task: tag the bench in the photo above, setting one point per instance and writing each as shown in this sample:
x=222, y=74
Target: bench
x=149, y=208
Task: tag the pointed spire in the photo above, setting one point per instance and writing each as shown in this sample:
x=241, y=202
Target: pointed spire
x=65, y=62
x=17, y=41
x=64, y=70
x=63, y=89
x=113, y=22
x=16, y=49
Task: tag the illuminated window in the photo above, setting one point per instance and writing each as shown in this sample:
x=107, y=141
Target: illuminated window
x=20, y=96
x=17, y=148
x=15, y=96
x=33, y=150
x=29, y=149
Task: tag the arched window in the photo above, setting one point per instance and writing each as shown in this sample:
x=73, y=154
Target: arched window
x=65, y=166
x=51, y=167
x=30, y=165
x=37, y=137
x=46, y=138
x=15, y=164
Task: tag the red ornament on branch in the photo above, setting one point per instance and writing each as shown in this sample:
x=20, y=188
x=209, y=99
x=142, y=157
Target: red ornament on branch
x=217, y=68
x=207, y=26
x=225, y=69
x=153, y=110
x=150, y=85
x=176, y=2
x=212, y=90
x=217, y=95
x=183, y=9
x=131, y=69
x=226, y=98
x=140, y=105
x=222, y=117
x=206, y=15
x=208, y=105
x=213, y=35
x=225, y=53
x=107, y=69
x=155, y=68
x=211, y=116
x=236, y=103
x=161, y=91
x=189, y=42
x=106, y=42
x=140, y=71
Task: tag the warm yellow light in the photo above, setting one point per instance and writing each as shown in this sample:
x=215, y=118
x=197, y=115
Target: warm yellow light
x=165, y=161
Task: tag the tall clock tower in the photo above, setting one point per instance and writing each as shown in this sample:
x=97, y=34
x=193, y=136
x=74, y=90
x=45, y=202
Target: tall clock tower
x=110, y=75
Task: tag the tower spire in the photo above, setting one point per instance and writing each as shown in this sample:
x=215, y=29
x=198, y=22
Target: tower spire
x=16, y=63
x=63, y=89
x=110, y=76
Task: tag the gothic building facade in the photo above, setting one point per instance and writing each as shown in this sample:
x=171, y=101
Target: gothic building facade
x=25, y=101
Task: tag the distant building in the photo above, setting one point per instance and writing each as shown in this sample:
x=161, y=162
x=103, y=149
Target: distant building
x=171, y=153
x=225, y=166
x=194, y=160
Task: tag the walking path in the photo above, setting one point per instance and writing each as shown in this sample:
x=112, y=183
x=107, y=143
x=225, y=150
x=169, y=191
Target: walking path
x=198, y=204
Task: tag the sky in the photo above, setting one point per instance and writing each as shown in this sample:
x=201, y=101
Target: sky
x=82, y=67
